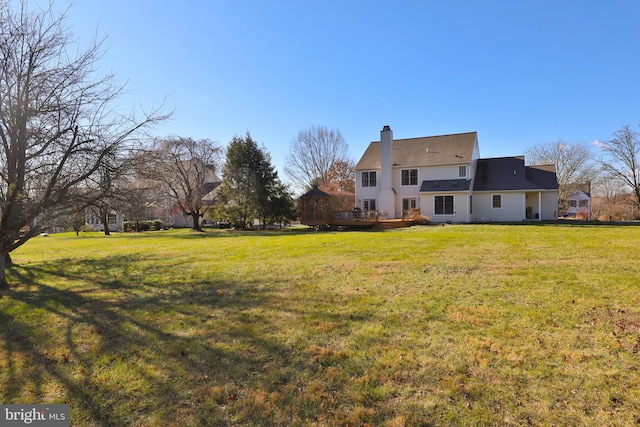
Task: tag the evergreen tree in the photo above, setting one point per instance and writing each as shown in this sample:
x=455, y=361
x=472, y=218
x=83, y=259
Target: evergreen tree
x=250, y=183
x=282, y=208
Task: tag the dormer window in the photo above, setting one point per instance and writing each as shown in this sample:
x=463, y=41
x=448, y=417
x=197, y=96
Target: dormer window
x=462, y=171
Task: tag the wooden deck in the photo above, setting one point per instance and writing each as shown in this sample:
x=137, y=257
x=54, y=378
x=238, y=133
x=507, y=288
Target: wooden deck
x=316, y=210
x=357, y=219
x=386, y=224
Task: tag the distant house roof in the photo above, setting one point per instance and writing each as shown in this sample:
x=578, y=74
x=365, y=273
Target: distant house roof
x=510, y=173
x=210, y=186
x=425, y=151
x=579, y=195
x=209, y=191
x=584, y=187
x=447, y=185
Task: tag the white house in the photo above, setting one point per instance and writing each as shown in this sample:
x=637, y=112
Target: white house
x=579, y=204
x=154, y=204
x=444, y=178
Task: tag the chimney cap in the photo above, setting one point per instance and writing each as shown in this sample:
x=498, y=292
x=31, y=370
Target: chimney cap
x=385, y=128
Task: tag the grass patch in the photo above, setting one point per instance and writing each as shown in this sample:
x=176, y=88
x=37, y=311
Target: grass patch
x=456, y=325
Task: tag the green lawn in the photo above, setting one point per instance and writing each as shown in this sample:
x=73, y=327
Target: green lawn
x=457, y=325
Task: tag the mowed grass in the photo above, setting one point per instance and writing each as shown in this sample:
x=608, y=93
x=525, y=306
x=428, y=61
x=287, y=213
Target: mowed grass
x=456, y=325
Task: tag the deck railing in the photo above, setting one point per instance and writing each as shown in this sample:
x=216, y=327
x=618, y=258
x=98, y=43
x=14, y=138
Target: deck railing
x=356, y=216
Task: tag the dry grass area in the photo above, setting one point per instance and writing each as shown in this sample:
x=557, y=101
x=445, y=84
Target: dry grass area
x=456, y=325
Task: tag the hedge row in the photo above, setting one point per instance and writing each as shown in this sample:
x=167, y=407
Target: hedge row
x=154, y=225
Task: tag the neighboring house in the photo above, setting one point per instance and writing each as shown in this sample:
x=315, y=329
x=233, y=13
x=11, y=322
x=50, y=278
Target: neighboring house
x=208, y=200
x=578, y=205
x=114, y=220
x=443, y=177
x=155, y=205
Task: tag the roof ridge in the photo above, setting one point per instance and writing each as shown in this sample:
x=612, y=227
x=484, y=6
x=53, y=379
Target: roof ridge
x=431, y=136
x=437, y=136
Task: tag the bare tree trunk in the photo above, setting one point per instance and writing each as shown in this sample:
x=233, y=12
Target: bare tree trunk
x=104, y=219
x=195, y=217
x=5, y=262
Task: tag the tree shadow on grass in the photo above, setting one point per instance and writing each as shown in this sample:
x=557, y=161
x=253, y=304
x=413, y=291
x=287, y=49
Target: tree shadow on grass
x=186, y=234
x=125, y=353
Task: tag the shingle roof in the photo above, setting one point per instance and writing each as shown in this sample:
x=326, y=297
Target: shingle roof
x=448, y=185
x=428, y=150
x=315, y=194
x=510, y=173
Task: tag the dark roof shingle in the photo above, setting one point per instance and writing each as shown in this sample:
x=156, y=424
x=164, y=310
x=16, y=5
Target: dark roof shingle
x=510, y=173
x=315, y=193
x=447, y=185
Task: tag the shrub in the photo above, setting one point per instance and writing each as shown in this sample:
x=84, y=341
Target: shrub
x=422, y=220
x=134, y=226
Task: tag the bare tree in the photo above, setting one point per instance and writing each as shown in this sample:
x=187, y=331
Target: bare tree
x=607, y=187
x=58, y=122
x=186, y=171
x=106, y=190
x=575, y=165
x=341, y=177
x=312, y=155
x=622, y=160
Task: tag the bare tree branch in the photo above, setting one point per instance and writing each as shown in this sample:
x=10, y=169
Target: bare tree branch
x=575, y=165
x=186, y=172
x=622, y=159
x=313, y=154
x=58, y=121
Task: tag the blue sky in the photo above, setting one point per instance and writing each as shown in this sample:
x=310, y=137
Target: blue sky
x=519, y=73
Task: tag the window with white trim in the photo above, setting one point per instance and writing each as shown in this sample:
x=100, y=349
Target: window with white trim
x=462, y=171
x=583, y=203
x=369, y=179
x=572, y=203
x=496, y=201
x=369, y=204
x=443, y=205
x=409, y=176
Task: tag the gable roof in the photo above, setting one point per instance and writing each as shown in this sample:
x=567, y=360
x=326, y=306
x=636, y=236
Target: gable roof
x=579, y=195
x=584, y=187
x=510, y=173
x=425, y=151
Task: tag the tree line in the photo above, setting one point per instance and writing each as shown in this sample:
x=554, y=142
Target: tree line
x=66, y=146
x=203, y=181
x=609, y=170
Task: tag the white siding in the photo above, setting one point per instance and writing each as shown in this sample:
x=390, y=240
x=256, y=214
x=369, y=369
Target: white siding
x=460, y=207
x=582, y=212
x=429, y=173
x=366, y=192
x=511, y=210
x=549, y=205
